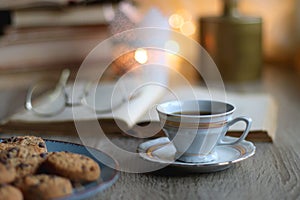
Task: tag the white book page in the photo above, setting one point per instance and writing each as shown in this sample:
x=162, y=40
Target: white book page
x=129, y=110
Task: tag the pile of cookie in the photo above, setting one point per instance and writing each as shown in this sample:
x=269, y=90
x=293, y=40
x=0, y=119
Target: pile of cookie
x=28, y=171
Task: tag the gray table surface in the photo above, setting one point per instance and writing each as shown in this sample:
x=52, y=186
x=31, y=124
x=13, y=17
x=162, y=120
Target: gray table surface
x=273, y=173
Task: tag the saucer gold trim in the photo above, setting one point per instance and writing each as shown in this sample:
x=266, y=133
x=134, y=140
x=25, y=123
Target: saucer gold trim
x=245, y=150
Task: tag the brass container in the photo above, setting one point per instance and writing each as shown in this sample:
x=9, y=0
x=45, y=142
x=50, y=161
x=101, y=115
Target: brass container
x=234, y=42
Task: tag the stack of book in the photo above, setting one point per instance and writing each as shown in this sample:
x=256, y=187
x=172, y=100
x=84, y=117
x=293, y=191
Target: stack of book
x=53, y=33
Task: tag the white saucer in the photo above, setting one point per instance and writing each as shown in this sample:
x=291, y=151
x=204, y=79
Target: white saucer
x=161, y=151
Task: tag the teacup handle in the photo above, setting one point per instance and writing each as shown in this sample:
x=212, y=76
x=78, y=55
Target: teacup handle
x=248, y=122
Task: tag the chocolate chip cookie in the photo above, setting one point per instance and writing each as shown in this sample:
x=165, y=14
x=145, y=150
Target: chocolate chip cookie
x=76, y=167
x=22, y=160
x=44, y=186
x=8, y=192
x=33, y=143
x=7, y=173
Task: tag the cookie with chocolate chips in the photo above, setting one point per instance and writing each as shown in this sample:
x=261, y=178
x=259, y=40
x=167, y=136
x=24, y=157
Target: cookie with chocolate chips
x=76, y=167
x=8, y=192
x=22, y=160
x=44, y=186
x=33, y=143
x=7, y=173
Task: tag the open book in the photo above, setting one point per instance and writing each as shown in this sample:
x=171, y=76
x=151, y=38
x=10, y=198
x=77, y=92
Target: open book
x=140, y=108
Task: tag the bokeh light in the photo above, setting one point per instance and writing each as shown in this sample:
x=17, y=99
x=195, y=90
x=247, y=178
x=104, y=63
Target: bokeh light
x=141, y=55
x=176, y=21
x=188, y=28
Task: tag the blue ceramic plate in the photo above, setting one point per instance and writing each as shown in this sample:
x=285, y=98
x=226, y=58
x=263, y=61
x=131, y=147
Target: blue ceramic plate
x=108, y=175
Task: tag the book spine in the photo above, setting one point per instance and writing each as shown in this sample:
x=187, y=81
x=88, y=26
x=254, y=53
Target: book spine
x=69, y=16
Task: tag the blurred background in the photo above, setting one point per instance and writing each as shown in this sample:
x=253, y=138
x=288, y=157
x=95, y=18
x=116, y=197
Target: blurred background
x=38, y=34
x=280, y=24
x=250, y=41
x=281, y=21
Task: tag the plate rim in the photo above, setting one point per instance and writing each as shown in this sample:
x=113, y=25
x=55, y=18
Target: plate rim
x=143, y=155
x=82, y=194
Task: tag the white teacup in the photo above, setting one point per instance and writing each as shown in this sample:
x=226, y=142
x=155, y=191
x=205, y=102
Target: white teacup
x=195, y=127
